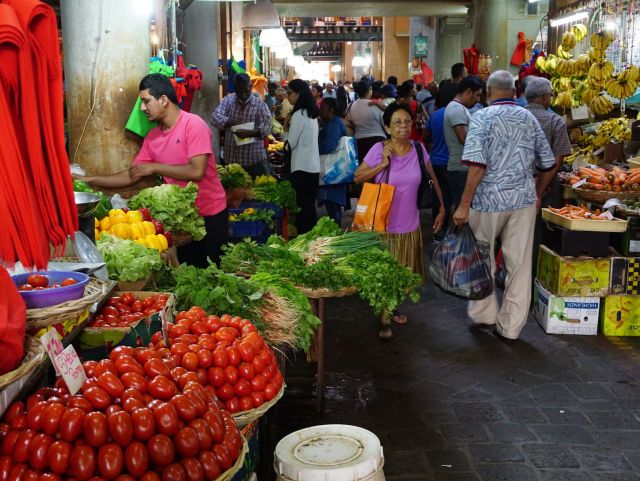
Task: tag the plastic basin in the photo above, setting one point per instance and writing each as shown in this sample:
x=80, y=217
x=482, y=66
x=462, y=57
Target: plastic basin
x=51, y=297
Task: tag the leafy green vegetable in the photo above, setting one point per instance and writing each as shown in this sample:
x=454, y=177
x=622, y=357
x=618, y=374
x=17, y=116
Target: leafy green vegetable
x=126, y=260
x=279, y=193
x=256, y=214
x=174, y=206
x=233, y=176
x=104, y=206
x=325, y=227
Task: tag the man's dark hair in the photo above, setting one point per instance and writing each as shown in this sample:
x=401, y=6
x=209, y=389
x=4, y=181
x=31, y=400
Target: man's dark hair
x=272, y=86
x=457, y=69
x=470, y=82
x=361, y=88
x=342, y=101
x=376, y=86
x=331, y=103
x=305, y=99
x=392, y=109
x=409, y=83
x=242, y=80
x=404, y=90
x=159, y=85
x=393, y=80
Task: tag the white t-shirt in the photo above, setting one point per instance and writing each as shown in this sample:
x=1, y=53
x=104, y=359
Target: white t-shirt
x=303, y=139
x=366, y=118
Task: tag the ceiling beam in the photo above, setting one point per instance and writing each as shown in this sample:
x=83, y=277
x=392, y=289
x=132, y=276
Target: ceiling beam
x=327, y=8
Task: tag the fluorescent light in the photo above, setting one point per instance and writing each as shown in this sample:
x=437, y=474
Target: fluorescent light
x=534, y=1
x=144, y=8
x=273, y=37
x=556, y=22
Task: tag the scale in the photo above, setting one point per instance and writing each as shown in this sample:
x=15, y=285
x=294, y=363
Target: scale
x=87, y=204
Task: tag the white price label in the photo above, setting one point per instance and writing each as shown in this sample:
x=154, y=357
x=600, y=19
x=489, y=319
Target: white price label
x=164, y=314
x=71, y=369
x=50, y=340
x=578, y=184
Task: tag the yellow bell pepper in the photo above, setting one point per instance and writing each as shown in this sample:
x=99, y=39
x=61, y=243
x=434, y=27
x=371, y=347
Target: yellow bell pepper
x=122, y=230
x=119, y=219
x=148, y=227
x=137, y=230
x=97, y=223
x=96, y=234
x=116, y=212
x=105, y=224
x=134, y=216
x=164, y=245
x=152, y=242
x=249, y=211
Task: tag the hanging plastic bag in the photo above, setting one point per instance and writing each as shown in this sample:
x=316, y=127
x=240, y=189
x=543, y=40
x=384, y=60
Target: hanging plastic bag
x=460, y=265
x=339, y=166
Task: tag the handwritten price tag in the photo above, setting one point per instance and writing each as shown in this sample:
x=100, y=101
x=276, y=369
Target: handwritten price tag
x=71, y=369
x=164, y=317
x=53, y=346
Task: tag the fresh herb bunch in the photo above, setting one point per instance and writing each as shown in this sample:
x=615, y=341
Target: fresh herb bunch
x=233, y=176
x=325, y=227
x=278, y=193
x=251, y=215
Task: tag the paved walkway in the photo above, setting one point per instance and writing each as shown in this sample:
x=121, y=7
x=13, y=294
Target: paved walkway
x=450, y=402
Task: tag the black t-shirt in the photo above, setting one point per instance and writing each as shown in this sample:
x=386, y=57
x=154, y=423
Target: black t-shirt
x=447, y=93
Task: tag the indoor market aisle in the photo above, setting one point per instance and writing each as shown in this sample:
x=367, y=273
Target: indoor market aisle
x=450, y=402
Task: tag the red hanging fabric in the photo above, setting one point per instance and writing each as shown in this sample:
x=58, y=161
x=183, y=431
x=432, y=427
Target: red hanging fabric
x=13, y=318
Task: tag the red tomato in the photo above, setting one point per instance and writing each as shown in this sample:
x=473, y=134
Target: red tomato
x=34, y=416
x=161, y=387
x=193, y=468
x=210, y=466
x=13, y=410
x=258, y=398
x=110, y=460
x=161, y=450
x=216, y=424
x=39, y=448
x=186, y=442
x=110, y=383
x=126, y=364
x=137, y=306
x=49, y=477
x=174, y=472
x=148, y=302
x=233, y=442
x=186, y=410
x=98, y=397
x=232, y=405
x=89, y=367
x=202, y=430
x=220, y=358
x=51, y=418
x=258, y=364
x=132, y=392
x=81, y=403
x=134, y=380
x=83, y=462
x=71, y=423
x=114, y=300
x=166, y=419
x=9, y=441
x=225, y=392
x=127, y=298
x=120, y=427
x=231, y=374
x=226, y=334
x=69, y=282
x=38, y=280
x=110, y=310
x=25, y=287
x=246, y=351
x=104, y=366
x=123, y=309
x=271, y=391
x=58, y=456
x=149, y=476
x=5, y=467
x=221, y=453
x=137, y=459
x=131, y=404
x=95, y=428
x=155, y=367
x=246, y=371
x=21, y=447
x=246, y=403
x=190, y=361
x=143, y=422
x=242, y=388
x=234, y=356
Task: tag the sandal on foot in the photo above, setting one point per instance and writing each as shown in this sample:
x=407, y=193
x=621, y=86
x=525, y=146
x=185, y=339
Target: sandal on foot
x=385, y=333
x=400, y=319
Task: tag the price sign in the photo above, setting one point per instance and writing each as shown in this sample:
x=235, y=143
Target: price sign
x=164, y=317
x=53, y=346
x=71, y=369
x=579, y=184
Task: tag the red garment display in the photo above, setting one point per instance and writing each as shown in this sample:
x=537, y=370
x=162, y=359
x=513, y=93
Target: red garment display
x=471, y=59
x=37, y=206
x=521, y=52
x=13, y=318
x=192, y=82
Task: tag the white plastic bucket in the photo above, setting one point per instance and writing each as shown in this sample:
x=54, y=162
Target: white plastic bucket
x=331, y=452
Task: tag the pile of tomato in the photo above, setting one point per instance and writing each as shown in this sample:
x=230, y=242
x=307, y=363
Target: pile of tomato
x=138, y=416
x=126, y=309
x=225, y=353
x=38, y=282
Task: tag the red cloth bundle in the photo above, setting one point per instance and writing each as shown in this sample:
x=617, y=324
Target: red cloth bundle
x=13, y=315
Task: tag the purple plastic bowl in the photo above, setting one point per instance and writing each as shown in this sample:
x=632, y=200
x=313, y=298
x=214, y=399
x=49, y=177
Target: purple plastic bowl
x=51, y=297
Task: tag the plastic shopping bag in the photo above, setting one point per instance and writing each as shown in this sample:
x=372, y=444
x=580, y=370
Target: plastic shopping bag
x=339, y=166
x=461, y=266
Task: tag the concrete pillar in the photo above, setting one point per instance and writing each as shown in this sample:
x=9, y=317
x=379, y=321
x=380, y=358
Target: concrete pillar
x=396, y=48
x=492, y=30
x=106, y=49
x=425, y=27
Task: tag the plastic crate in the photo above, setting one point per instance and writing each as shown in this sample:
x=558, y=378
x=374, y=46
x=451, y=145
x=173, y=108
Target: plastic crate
x=246, y=228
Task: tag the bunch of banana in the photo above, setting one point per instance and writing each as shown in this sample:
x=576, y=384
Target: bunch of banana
x=583, y=64
x=589, y=93
x=566, y=68
x=563, y=53
x=620, y=86
x=601, y=71
x=596, y=54
x=560, y=84
x=564, y=99
x=550, y=65
x=601, y=105
x=632, y=73
x=580, y=31
x=541, y=64
x=568, y=41
x=602, y=39
x=578, y=91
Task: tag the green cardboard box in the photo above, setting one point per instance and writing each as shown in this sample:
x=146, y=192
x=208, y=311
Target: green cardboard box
x=620, y=316
x=573, y=276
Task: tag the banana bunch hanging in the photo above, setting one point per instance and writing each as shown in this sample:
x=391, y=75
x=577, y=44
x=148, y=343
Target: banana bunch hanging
x=600, y=71
x=624, y=84
x=568, y=40
x=564, y=99
x=580, y=31
x=601, y=105
x=602, y=40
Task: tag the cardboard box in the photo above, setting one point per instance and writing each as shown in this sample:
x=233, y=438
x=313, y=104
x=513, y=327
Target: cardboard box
x=625, y=275
x=573, y=276
x=575, y=243
x=565, y=315
x=620, y=316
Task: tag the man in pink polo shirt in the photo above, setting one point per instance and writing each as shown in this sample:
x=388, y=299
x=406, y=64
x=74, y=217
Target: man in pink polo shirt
x=180, y=150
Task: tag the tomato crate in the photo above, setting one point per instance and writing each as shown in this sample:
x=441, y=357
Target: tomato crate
x=251, y=432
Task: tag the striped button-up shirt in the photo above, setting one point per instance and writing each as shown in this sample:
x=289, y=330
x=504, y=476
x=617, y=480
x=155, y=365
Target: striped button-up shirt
x=230, y=112
x=554, y=128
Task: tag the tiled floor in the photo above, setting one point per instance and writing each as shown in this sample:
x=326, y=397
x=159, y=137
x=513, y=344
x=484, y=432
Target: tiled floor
x=450, y=402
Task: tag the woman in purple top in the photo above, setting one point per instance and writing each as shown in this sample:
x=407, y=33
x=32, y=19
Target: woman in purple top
x=399, y=155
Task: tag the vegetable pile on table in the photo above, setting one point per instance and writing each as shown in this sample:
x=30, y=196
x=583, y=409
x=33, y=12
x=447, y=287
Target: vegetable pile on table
x=173, y=206
x=233, y=176
x=597, y=178
x=126, y=309
x=126, y=260
x=139, y=415
x=267, y=188
x=282, y=315
x=581, y=212
x=251, y=215
x=137, y=225
x=324, y=257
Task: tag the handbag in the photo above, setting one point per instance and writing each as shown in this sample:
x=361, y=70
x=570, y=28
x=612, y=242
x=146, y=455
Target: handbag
x=426, y=195
x=374, y=206
x=339, y=166
x=286, y=168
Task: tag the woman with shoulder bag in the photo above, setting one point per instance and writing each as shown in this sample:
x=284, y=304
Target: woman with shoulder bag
x=398, y=160
x=305, y=157
x=365, y=120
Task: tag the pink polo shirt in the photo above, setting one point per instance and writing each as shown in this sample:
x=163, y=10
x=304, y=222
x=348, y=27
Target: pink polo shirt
x=189, y=137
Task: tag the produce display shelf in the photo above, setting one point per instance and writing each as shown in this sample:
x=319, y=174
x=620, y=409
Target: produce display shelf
x=615, y=225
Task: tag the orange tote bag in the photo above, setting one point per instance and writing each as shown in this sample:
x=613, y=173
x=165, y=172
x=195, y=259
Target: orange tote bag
x=374, y=206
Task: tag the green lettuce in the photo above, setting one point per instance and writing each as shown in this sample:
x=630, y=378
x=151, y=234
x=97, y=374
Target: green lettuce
x=126, y=260
x=174, y=206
